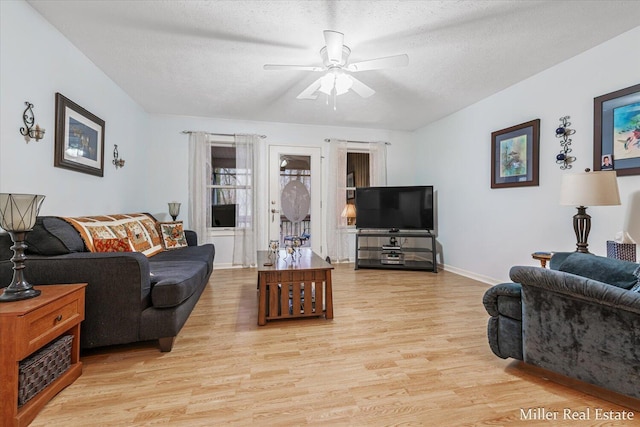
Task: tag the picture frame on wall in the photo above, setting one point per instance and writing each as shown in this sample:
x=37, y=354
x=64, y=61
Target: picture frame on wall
x=79, y=138
x=515, y=155
x=351, y=194
x=616, y=131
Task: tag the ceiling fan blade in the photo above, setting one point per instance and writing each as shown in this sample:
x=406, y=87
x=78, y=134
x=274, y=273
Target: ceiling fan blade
x=334, y=41
x=292, y=67
x=309, y=92
x=360, y=88
x=376, y=64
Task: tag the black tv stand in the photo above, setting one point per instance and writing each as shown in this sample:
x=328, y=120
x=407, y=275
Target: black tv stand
x=401, y=250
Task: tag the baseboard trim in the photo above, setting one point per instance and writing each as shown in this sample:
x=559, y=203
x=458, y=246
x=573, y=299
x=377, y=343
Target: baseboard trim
x=470, y=274
x=583, y=387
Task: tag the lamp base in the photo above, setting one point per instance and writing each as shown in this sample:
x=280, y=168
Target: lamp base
x=582, y=226
x=19, y=288
x=10, y=295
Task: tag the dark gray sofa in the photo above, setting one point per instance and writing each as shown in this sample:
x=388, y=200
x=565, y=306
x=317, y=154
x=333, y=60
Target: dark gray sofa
x=129, y=297
x=581, y=319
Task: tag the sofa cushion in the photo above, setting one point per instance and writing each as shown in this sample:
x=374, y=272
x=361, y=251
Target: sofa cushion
x=204, y=253
x=62, y=230
x=52, y=236
x=172, y=282
x=606, y=270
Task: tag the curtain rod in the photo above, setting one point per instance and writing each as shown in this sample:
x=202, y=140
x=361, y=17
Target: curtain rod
x=359, y=142
x=217, y=134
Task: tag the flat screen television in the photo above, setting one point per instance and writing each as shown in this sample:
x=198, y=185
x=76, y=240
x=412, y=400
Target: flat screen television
x=395, y=208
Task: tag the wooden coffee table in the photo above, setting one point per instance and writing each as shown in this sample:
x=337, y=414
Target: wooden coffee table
x=294, y=289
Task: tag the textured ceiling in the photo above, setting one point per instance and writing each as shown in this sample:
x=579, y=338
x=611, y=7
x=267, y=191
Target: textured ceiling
x=205, y=58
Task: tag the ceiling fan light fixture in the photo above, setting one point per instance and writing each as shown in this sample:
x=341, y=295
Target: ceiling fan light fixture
x=335, y=82
x=327, y=83
x=343, y=83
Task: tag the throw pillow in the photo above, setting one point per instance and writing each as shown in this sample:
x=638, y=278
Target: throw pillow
x=606, y=270
x=121, y=244
x=172, y=235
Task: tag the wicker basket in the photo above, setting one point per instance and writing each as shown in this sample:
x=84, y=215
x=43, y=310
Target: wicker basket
x=43, y=367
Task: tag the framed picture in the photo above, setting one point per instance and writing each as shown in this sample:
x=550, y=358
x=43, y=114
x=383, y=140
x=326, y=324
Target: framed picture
x=616, y=131
x=79, y=139
x=515, y=155
x=351, y=194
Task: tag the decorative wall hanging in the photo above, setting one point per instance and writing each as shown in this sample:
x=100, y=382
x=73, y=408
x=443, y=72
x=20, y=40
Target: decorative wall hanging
x=79, y=142
x=563, y=132
x=515, y=155
x=117, y=161
x=616, y=131
x=29, y=131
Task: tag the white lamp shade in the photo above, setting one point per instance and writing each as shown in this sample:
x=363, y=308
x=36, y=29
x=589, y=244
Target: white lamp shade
x=18, y=212
x=349, y=211
x=599, y=188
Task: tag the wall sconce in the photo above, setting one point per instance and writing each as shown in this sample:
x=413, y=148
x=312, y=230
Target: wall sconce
x=564, y=159
x=174, y=210
x=117, y=162
x=29, y=131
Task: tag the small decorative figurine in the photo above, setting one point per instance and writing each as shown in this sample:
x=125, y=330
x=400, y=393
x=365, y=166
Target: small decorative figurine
x=274, y=249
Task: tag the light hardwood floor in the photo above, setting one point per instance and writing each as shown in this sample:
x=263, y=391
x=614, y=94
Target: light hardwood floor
x=404, y=348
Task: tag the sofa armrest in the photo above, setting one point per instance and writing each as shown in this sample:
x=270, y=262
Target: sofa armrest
x=118, y=290
x=577, y=287
x=492, y=300
x=504, y=329
x=192, y=237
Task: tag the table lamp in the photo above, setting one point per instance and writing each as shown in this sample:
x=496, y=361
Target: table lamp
x=349, y=212
x=174, y=210
x=588, y=189
x=18, y=214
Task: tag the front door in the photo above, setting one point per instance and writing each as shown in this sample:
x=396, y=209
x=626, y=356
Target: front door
x=294, y=196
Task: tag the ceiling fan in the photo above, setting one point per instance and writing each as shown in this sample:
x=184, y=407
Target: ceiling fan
x=337, y=79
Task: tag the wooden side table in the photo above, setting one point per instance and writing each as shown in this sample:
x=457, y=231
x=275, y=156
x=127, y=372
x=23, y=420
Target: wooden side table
x=25, y=327
x=543, y=257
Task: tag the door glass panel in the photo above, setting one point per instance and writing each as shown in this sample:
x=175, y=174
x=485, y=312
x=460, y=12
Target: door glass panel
x=295, y=197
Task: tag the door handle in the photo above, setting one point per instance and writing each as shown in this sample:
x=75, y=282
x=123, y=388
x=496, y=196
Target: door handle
x=273, y=212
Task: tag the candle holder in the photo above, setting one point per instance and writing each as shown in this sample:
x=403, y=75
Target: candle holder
x=274, y=249
x=29, y=130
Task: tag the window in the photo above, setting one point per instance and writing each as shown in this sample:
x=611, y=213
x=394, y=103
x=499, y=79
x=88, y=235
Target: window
x=358, y=175
x=227, y=185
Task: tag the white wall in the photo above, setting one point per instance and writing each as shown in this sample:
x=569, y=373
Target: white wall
x=36, y=61
x=168, y=158
x=483, y=232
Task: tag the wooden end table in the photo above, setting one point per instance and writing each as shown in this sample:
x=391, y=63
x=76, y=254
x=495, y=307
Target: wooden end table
x=294, y=289
x=543, y=257
x=25, y=327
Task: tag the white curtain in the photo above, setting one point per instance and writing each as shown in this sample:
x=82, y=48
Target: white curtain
x=337, y=235
x=199, y=176
x=378, y=164
x=247, y=172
